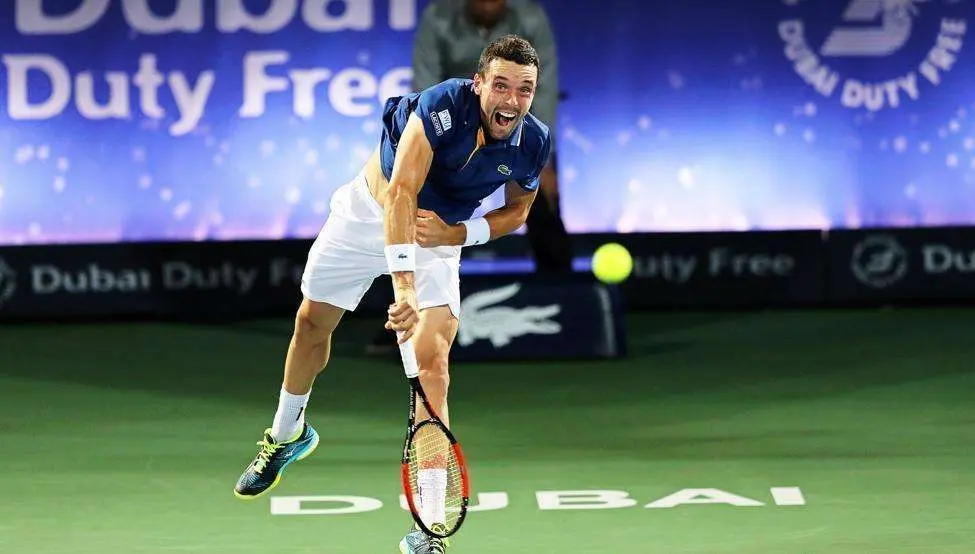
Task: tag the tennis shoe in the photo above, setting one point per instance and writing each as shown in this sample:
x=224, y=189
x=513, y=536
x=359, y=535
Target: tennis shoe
x=265, y=472
x=418, y=542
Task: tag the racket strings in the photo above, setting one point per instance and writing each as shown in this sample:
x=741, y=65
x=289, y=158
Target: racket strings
x=435, y=477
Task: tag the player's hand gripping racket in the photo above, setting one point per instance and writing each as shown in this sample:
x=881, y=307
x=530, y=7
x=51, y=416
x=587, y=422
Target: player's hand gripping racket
x=434, y=471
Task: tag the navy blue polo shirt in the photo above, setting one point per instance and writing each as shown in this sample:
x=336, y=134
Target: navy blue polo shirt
x=458, y=181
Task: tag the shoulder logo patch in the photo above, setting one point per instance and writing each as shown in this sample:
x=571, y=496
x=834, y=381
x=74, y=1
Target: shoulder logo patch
x=436, y=124
x=504, y=170
x=445, y=121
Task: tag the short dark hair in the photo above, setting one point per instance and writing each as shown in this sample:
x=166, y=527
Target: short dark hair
x=511, y=48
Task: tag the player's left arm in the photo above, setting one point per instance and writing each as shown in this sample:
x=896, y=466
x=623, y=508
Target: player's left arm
x=508, y=218
x=519, y=194
x=431, y=231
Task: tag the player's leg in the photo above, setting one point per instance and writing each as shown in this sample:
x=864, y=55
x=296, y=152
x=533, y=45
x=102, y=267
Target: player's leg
x=290, y=439
x=438, y=296
x=340, y=268
x=308, y=352
x=434, y=336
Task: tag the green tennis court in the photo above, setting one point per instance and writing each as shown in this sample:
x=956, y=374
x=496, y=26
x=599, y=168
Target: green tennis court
x=129, y=438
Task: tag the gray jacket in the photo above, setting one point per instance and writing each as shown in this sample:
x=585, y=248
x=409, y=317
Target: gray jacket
x=448, y=44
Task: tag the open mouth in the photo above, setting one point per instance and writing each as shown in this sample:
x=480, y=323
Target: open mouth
x=505, y=119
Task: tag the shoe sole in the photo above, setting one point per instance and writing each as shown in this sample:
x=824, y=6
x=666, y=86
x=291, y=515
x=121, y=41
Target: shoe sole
x=277, y=479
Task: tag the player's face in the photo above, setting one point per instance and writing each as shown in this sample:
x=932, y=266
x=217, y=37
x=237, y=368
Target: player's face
x=506, y=91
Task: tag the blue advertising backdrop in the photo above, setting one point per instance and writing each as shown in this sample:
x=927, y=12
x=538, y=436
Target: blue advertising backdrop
x=143, y=120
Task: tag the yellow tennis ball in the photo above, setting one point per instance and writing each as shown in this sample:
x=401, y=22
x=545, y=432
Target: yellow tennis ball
x=612, y=263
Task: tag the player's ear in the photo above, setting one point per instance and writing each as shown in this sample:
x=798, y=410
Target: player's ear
x=478, y=82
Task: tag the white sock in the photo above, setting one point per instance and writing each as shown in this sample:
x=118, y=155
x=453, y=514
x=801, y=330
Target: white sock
x=290, y=417
x=433, y=495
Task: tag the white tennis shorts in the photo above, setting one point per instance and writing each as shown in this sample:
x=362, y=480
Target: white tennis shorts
x=348, y=255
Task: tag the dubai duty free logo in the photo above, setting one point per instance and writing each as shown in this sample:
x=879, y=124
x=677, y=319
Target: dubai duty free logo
x=879, y=261
x=871, y=31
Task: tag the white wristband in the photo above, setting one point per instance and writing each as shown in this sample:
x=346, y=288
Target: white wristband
x=401, y=257
x=478, y=231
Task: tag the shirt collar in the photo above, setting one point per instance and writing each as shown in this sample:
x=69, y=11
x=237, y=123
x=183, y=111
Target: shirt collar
x=514, y=140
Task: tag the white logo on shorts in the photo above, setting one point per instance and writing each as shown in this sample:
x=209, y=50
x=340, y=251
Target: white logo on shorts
x=877, y=29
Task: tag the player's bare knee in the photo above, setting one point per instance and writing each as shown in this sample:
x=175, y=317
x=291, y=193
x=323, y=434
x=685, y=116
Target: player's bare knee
x=313, y=333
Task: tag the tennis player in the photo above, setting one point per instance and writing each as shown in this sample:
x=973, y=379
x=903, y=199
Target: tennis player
x=408, y=213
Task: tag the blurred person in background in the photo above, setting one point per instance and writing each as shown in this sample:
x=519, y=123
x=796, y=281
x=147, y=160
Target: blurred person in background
x=448, y=43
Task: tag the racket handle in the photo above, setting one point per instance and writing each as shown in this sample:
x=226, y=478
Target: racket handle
x=408, y=354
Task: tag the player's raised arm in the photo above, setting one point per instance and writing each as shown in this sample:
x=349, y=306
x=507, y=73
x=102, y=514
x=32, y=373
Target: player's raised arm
x=413, y=159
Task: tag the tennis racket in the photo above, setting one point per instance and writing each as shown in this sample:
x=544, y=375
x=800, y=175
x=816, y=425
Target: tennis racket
x=433, y=465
